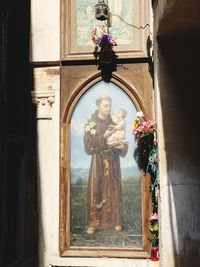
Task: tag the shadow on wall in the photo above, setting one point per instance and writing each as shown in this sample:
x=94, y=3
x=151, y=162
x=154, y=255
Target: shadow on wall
x=18, y=190
x=179, y=81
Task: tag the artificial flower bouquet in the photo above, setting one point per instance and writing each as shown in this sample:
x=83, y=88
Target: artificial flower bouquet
x=153, y=229
x=143, y=128
x=154, y=236
x=101, y=37
x=144, y=132
x=146, y=157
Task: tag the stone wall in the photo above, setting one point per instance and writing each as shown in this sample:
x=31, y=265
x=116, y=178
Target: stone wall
x=176, y=82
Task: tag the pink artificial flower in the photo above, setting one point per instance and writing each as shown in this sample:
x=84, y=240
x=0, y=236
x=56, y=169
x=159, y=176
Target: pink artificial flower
x=139, y=129
x=154, y=217
x=152, y=122
x=93, y=31
x=102, y=28
x=146, y=128
x=112, y=41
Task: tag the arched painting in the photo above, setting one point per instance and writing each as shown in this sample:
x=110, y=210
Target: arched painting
x=105, y=182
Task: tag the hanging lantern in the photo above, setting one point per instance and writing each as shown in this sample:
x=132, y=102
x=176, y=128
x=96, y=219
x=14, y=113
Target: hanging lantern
x=101, y=10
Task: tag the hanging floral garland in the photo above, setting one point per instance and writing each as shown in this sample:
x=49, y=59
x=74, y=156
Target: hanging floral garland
x=146, y=155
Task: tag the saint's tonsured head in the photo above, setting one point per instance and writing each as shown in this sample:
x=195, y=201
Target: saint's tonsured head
x=103, y=104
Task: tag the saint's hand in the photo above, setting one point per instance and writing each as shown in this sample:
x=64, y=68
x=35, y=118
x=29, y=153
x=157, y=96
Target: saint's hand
x=120, y=146
x=108, y=132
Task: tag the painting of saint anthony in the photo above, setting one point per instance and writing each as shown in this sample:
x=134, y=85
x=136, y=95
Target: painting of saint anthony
x=104, y=183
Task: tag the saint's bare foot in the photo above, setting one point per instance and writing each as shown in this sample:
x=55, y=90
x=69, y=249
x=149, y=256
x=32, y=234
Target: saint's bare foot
x=90, y=230
x=118, y=228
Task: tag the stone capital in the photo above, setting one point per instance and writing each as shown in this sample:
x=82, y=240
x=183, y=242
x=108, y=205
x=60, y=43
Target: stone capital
x=44, y=101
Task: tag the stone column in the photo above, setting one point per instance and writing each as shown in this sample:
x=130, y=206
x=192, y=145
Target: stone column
x=46, y=98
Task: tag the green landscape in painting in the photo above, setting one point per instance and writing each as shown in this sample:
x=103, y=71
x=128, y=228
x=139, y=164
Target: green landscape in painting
x=131, y=233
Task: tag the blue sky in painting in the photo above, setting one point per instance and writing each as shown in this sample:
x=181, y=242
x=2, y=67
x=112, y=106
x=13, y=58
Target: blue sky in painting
x=83, y=111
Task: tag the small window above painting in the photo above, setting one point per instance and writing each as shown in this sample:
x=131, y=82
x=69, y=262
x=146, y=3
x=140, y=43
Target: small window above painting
x=130, y=28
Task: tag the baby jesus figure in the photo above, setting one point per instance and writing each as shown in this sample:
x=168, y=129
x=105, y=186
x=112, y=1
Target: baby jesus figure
x=118, y=137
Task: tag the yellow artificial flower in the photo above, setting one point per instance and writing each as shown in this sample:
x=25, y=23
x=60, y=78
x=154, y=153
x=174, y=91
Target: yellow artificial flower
x=136, y=122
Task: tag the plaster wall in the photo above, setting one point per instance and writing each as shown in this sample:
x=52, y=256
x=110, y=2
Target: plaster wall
x=176, y=64
x=176, y=78
x=158, y=13
x=45, y=31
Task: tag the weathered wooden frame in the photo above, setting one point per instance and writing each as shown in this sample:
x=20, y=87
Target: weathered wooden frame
x=65, y=249
x=87, y=54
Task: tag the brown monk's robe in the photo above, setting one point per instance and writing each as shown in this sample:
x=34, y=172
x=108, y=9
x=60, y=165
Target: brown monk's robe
x=104, y=184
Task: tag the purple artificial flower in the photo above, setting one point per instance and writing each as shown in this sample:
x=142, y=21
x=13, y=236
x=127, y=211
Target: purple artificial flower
x=103, y=39
x=106, y=39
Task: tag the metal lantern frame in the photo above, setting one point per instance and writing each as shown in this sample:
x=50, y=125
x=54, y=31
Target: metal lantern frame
x=101, y=10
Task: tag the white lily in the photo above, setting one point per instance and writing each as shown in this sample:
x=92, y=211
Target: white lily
x=139, y=114
x=93, y=132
